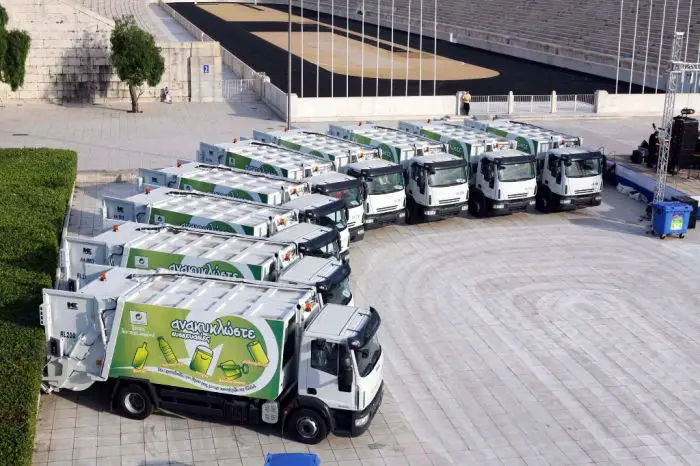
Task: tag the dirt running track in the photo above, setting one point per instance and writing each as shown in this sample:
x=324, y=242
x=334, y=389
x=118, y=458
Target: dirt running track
x=258, y=36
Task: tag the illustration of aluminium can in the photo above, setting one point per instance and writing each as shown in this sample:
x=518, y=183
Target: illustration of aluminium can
x=258, y=353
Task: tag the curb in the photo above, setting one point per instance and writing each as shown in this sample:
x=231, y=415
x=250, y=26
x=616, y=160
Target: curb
x=106, y=176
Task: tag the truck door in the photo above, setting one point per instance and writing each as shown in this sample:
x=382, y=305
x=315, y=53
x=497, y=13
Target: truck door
x=488, y=173
x=327, y=367
x=417, y=184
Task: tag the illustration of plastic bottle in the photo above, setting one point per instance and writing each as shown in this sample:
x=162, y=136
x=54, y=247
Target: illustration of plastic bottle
x=258, y=353
x=140, y=357
x=201, y=360
x=167, y=351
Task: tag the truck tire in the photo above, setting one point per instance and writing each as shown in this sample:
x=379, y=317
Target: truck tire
x=307, y=426
x=134, y=402
x=477, y=206
x=543, y=202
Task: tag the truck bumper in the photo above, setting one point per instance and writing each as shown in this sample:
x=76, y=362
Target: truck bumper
x=345, y=256
x=379, y=220
x=357, y=233
x=577, y=202
x=443, y=211
x=362, y=419
x=508, y=207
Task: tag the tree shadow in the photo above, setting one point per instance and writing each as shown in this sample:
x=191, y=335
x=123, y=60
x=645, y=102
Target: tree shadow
x=84, y=71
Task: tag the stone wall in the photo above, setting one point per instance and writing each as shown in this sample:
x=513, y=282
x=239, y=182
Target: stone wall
x=69, y=59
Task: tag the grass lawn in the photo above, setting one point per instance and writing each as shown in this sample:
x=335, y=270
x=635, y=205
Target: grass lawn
x=35, y=186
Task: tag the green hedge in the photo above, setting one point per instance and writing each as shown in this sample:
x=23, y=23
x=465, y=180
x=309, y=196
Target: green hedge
x=35, y=186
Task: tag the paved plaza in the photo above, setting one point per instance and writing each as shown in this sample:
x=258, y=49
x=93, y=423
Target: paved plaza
x=563, y=339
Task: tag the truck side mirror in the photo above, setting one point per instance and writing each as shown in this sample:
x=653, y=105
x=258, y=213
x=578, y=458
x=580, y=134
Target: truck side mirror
x=345, y=375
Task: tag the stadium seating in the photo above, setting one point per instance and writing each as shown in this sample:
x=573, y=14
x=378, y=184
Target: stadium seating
x=589, y=26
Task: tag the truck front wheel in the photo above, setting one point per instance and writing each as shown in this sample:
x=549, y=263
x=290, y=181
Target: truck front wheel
x=134, y=402
x=307, y=426
x=543, y=201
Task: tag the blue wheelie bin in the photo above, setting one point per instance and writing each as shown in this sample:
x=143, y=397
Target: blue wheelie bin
x=670, y=218
x=292, y=459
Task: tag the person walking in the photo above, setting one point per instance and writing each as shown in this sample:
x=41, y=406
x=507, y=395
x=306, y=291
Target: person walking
x=466, y=101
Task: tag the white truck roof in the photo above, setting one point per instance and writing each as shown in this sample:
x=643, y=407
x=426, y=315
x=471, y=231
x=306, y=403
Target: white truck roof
x=371, y=164
x=312, y=201
x=500, y=154
x=391, y=136
x=462, y=133
x=572, y=150
x=188, y=176
x=207, y=206
x=312, y=269
x=302, y=232
x=273, y=155
x=338, y=322
x=525, y=130
x=324, y=143
x=268, y=300
x=329, y=178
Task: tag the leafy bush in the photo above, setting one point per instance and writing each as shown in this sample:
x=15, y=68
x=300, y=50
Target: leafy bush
x=35, y=186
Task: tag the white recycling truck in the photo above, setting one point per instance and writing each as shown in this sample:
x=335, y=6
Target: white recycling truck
x=349, y=189
x=394, y=145
x=218, y=347
x=200, y=210
x=382, y=189
x=334, y=149
x=529, y=138
x=437, y=186
x=501, y=182
x=569, y=178
x=262, y=157
x=325, y=211
x=225, y=181
x=459, y=140
x=177, y=249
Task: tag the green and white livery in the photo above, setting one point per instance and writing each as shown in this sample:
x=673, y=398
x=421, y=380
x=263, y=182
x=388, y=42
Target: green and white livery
x=225, y=181
x=217, y=347
x=394, y=145
x=261, y=157
x=339, y=151
x=200, y=210
x=529, y=139
x=177, y=249
x=459, y=140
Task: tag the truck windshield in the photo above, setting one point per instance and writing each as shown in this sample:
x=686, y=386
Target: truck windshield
x=331, y=249
x=350, y=196
x=337, y=220
x=447, y=177
x=385, y=184
x=339, y=293
x=583, y=168
x=516, y=171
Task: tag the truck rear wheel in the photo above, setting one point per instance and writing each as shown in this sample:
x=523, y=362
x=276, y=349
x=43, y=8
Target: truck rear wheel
x=134, y=402
x=307, y=426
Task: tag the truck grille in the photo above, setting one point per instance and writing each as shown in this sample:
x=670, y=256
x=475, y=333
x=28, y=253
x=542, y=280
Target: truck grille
x=517, y=196
x=584, y=191
x=386, y=209
x=449, y=201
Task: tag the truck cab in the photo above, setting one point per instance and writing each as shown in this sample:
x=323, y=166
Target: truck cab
x=325, y=211
x=436, y=187
x=330, y=277
x=382, y=189
x=312, y=240
x=501, y=182
x=340, y=373
x=569, y=178
x=347, y=188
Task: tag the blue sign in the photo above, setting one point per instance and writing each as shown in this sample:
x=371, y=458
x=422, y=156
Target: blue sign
x=205, y=69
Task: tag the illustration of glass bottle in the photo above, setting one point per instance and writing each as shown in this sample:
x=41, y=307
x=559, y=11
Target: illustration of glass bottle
x=140, y=357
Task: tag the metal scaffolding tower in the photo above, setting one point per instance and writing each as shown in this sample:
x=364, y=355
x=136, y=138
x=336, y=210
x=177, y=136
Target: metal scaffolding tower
x=677, y=69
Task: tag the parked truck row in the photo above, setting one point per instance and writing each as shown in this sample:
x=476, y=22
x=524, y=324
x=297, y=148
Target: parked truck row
x=221, y=286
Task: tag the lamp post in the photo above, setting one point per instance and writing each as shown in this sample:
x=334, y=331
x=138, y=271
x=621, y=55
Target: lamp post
x=289, y=65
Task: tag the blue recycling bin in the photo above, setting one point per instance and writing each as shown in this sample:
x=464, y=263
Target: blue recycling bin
x=292, y=459
x=670, y=218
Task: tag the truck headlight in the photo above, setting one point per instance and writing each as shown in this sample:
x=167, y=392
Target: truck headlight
x=369, y=220
x=498, y=206
x=464, y=207
x=598, y=198
x=565, y=201
x=531, y=203
x=361, y=421
x=429, y=212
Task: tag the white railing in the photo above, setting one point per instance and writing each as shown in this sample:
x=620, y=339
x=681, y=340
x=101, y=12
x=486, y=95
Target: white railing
x=511, y=104
x=241, y=90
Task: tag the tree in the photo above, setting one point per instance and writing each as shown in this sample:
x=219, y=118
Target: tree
x=136, y=58
x=14, y=48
